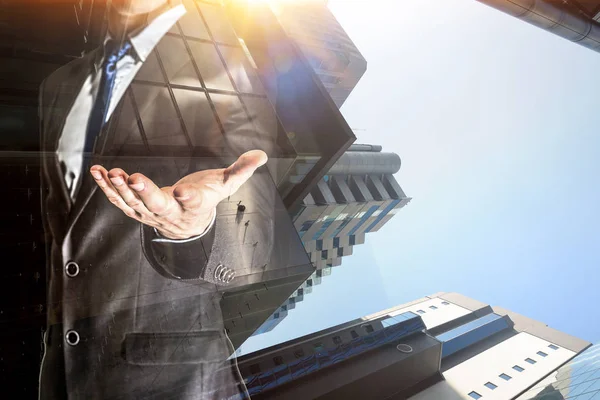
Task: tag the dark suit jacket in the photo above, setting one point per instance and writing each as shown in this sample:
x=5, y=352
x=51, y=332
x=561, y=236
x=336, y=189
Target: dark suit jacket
x=147, y=323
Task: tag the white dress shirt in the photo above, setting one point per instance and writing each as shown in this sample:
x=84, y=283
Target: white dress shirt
x=72, y=140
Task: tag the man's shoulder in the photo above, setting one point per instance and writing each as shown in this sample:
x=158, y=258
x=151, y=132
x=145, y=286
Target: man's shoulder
x=69, y=74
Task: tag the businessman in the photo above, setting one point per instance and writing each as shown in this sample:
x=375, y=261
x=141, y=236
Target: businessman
x=142, y=229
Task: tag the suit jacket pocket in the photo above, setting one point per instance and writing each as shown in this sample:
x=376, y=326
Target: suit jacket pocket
x=175, y=348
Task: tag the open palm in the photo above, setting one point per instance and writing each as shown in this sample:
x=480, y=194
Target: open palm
x=184, y=209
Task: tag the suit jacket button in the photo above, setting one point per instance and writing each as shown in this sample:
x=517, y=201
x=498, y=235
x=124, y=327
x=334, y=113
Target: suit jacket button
x=72, y=269
x=72, y=338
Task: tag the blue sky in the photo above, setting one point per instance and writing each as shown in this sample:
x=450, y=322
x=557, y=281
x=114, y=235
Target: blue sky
x=496, y=122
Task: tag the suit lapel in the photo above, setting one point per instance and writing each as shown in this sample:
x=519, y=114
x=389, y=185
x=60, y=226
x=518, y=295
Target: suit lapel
x=63, y=93
x=101, y=156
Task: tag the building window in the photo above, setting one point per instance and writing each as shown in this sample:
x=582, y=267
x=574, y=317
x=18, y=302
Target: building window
x=299, y=353
x=470, y=333
x=337, y=340
x=369, y=339
x=421, y=311
x=368, y=328
x=278, y=360
x=490, y=386
x=542, y=354
x=517, y=368
x=254, y=369
x=329, y=79
x=445, y=303
x=530, y=361
x=300, y=292
x=433, y=307
x=353, y=334
x=336, y=242
x=352, y=240
x=505, y=377
x=475, y=395
x=553, y=347
x=306, y=226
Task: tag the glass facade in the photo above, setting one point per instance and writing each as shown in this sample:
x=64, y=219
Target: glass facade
x=363, y=218
x=471, y=332
x=326, y=46
x=330, y=219
x=577, y=380
x=396, y=319
x=384, y=212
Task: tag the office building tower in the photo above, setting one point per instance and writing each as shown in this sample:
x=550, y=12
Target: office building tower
x=579, y=379
x=574, y=20
x=444, y=346
x=325, y=44
x=358, y=195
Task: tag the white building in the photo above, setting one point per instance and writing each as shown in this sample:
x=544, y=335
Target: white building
x=441, y=347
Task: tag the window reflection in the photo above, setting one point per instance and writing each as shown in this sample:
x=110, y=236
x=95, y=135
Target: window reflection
x=191, y=24
x=159, y=118
x=177, y=63
x=151, y=71
x=218, y=23
x=242, y=72
x=199, y=119
x=210, y=66
x=472, y=332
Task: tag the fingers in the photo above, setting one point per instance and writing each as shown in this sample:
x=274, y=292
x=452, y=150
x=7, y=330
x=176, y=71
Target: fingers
x=154, y=199
x=100, y=175
x=188, y=206
x=118, y=178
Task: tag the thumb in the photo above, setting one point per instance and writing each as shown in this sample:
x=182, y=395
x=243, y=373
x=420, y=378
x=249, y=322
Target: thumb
x=242, y=169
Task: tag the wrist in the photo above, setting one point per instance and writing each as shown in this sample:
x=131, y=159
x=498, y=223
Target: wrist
x=203, y=226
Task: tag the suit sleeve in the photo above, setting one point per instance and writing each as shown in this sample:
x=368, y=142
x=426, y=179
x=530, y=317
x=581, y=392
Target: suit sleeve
x=183, y=260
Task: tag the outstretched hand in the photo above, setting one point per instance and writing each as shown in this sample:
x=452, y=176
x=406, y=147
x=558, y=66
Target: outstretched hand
x=184, y=209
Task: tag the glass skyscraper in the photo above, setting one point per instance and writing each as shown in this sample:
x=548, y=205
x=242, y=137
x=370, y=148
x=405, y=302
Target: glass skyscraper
x=579, y=379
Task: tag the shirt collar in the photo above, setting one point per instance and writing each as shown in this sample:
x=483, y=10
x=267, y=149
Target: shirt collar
x=147, y=37
x=161, y=21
